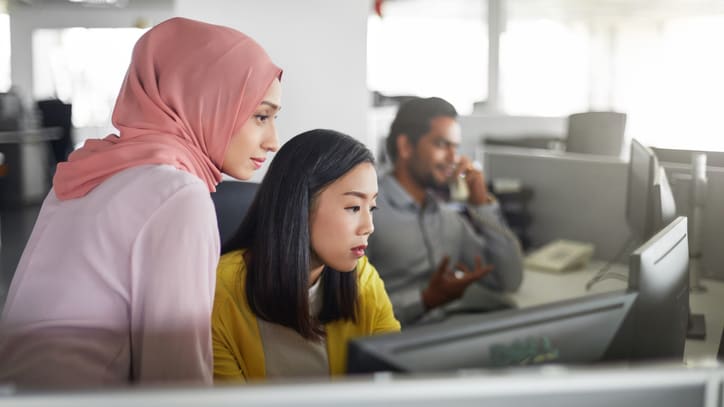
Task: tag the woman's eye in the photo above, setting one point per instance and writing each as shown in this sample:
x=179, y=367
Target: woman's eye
x=372, y=209
x=262, y=117
x=354, y=209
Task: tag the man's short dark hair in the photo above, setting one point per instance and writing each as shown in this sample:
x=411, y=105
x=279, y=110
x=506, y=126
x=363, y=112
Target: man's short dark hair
x=413, y=119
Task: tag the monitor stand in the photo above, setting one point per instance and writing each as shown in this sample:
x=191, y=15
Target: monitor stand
x=697, y=327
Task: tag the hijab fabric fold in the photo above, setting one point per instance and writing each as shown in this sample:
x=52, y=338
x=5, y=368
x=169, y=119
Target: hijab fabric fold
x=189, y=88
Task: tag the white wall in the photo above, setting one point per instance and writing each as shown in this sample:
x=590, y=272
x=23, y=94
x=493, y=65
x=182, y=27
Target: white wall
x=320, y=44
x=24, y=19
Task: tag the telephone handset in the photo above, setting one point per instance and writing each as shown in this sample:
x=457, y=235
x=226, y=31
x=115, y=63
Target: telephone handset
x=458, y=186
x=459, y=191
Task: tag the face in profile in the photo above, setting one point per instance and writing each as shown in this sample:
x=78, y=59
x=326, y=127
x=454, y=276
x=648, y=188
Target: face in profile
x=257, y=137
x=436, y=153
x=341, y=218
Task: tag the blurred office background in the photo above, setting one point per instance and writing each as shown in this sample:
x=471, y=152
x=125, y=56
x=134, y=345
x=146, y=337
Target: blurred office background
x=515, y=70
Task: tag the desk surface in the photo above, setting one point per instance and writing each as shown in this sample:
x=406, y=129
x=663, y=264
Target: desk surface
x=542, y=287
x=38, y=135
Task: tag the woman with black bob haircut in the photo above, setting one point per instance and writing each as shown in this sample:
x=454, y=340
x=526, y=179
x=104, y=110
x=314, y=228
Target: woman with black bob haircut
x=293, y=284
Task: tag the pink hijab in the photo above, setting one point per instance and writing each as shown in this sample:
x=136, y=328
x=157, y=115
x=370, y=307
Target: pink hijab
x=190, y=87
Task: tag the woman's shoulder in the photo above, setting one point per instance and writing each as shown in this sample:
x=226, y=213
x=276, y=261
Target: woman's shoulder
x=375, y=307
x=230, y=270
x=231, y=263
x=367, y=275
x=159, y=176
x=232, y=259
x=152, y=186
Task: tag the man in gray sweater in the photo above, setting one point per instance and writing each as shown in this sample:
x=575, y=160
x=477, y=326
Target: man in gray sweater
x=436, y=256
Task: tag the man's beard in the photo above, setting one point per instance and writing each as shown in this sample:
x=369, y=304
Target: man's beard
x=424, y=177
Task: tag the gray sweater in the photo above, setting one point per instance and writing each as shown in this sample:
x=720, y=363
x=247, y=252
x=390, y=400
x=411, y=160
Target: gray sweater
x=410, y=241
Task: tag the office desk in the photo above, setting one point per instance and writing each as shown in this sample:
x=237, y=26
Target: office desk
x=27, y=165
x=542, y=287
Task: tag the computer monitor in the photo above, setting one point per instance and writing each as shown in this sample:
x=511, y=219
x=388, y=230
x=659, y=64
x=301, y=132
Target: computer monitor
x=647, y=386
x=641, y=174
x=664, y=206
x=604, y=327
x=659, y=272
x=573, y=331
x=649, y=201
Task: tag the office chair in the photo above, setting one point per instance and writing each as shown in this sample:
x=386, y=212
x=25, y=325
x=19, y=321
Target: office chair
x=11, y=112
x=55, y=113
x=3, y=170
x=599, y=133
x=231, y=201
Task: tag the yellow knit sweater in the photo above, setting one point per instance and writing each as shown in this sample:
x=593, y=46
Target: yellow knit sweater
x=238, y=349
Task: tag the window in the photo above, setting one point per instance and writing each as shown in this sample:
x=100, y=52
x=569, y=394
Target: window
x=4, y=52
x=656, y=62
x=83, y=66
x=669, y=78
x=544, y=67
x=430, y=48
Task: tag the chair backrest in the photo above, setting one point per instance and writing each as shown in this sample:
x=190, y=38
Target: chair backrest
x=231, y=201
x=599, y=133
x=11, y=112
x=55, y=113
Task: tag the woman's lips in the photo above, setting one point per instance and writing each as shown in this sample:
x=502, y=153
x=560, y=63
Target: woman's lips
x=359, y=251
x=258, y=162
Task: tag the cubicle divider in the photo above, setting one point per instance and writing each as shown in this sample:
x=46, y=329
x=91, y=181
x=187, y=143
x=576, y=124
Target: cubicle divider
x=679, y=176
x=575, y=196
x=649, y=386
x=582, y=197
x=476, y=128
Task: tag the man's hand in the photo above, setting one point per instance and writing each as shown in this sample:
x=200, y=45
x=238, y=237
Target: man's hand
x=475, y=179
x=446, y=285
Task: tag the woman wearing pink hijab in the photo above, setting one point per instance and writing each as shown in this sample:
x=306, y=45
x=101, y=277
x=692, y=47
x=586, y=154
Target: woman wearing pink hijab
x=117, y=280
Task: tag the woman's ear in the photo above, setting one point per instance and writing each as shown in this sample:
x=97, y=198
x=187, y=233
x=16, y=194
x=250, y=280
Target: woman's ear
x=404, y=147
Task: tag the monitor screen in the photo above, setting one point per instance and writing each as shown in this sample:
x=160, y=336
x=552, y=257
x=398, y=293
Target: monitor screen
x=659, y=272
x=574, y=331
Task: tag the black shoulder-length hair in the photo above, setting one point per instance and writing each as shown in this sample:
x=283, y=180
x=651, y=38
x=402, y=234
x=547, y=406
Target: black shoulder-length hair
x=276, y=233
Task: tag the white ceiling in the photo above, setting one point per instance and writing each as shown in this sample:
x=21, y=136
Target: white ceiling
x=80, y=3
x=538, y=8
x=618, y=8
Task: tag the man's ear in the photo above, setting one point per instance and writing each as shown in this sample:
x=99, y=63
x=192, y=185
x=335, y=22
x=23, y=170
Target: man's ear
x=404, y=147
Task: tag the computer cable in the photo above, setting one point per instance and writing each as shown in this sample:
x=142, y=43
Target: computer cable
x=604, y=273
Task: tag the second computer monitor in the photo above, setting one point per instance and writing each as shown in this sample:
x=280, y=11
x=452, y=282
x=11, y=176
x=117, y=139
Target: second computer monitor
x=649, y=202
x=659, y=273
